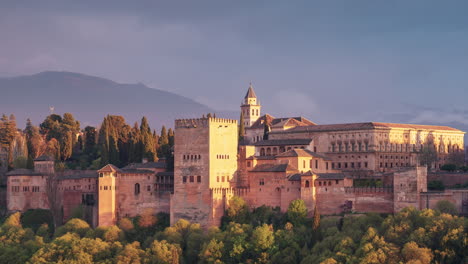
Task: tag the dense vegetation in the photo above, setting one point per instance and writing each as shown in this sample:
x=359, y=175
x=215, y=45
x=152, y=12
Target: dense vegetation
x=263, y=235
x=61, y=137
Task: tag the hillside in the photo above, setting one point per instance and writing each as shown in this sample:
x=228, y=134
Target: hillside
x=90, y=98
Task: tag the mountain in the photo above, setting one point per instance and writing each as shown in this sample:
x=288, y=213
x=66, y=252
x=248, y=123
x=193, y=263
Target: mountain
x=91, y=98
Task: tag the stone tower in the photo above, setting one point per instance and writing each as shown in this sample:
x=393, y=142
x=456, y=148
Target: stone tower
x=250, y=107
x=44, y=164
x=107, y=195
x=205, y=165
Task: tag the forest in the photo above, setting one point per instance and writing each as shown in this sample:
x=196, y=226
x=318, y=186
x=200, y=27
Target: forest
x=260, y=235
x=61, y=137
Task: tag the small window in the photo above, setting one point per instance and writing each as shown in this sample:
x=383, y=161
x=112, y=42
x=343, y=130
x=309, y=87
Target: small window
x=191, y=179
x=148, y=188
x=316, y=164
x=184, y=179
x=248, y=164
x=198, y=179
x=336, y=181
x=307, y=184
x=222, y=178
x=137, y=188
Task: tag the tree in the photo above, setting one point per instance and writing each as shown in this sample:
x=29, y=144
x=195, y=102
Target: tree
x=412, y=253
x=263, y=238
x=20, y=163
x=147, y=140
x=212, y=252
x=266, y=128
x=54, y=197
x=316, y=223
x=241, y=127
x=457, y=158
x=446, y=207
x=34, y=140
x=8, y=133
x=161, y=252
x=297, y=212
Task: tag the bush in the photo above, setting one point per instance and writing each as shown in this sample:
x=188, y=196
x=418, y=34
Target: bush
x=436, y=186
x=34, y=218
x=446, y=207
x=449, y=167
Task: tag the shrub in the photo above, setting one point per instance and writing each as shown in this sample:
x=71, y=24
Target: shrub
x=447, y=207
x=449, y=167
x=436, y=186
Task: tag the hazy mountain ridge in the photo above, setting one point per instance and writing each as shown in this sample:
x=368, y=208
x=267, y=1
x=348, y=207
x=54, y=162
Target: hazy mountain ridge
x=90, y=98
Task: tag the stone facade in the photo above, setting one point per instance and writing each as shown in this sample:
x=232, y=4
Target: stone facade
x=363, y=167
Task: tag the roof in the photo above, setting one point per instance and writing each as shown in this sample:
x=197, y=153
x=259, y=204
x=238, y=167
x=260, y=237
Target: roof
x=44, y=158
x=136, y=171
x=80, y=175
x=365, y=126
x=280, y=142
x=146, y=165
x=109, y=168
x=273, y=168
x=302, y=153
x=262, y=157
x=23, y=172
x=297, y=176
x=330, y=176
x=250, y=93
x=282, y=121
x=165, y=173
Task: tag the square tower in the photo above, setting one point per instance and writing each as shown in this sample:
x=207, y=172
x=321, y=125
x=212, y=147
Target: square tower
x=205, y=165
x=250, y=107
x=107, y=195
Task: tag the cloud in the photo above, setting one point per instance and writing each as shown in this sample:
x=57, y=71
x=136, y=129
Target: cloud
x=440, y=116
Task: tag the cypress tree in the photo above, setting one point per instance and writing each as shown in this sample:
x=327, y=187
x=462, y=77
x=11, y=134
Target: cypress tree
x=241, y=127
x=163, y=139
x=266, y=129
x=147, y=140
x=316, y=222
x=170, y=137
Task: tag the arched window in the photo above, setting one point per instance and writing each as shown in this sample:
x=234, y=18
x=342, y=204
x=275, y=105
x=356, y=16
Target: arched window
x=253, y=112
x=257, y=112
x=307, y=184
x=268, y=151
x=275, y=151
x=262, y=152
x=137, y=188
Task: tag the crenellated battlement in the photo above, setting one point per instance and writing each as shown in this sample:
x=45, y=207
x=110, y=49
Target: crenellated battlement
x=202, y=122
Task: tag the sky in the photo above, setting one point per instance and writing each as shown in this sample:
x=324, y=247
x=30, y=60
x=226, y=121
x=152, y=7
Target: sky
x=331, y=61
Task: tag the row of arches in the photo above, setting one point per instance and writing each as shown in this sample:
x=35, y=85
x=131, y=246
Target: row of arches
x=272, y=151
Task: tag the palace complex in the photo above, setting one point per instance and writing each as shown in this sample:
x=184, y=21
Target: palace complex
x=362, y=167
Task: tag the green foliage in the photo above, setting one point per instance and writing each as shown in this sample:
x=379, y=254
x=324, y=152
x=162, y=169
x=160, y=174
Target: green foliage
x=241, y=126
x=35, y=218
x=410, y=236
x=20, y=163
x=77, y=212
x=449, y=167
x=435, y=186
x=446, y=207
x=297, y=212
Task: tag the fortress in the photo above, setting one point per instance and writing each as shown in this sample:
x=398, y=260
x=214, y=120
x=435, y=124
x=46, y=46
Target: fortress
x=363, y=167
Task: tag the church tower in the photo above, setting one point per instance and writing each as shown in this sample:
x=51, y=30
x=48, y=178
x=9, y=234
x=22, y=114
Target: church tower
x=250, y=107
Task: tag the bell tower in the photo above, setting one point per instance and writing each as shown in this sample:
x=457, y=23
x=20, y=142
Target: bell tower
x=250, y=107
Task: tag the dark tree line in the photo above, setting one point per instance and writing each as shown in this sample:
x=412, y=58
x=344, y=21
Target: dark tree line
x=113, y=142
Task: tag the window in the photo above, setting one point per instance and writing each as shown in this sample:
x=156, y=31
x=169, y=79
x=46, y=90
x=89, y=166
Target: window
x=137, y=188
x=307, y=184
x=262, y=181
x=315, y=149
x=346, y=164
x=198, y=179
x=148, y=188
x=217, y=178
x=320, y=183
x=336, y=181
x=192, y=179
x=303, y=163
x=316, y=164
x=326, y=165
x=333, y=165
x=352, y=165
x=222, y=178
x=365, y=164
x=248, y=163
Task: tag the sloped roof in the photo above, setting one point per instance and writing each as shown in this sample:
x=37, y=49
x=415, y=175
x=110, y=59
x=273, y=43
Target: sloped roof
x=136, y=171
x=330, y=176
x=109, y=168
x=274, y=168
x=281, y=121
x=44, y=158
x=297, y=176
x=250, y=92
x=80, y=175
x=25, y=172
x=365, y=126
x=165, y=173
x=146, y=165
x=302, y=153
x=283, y=142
